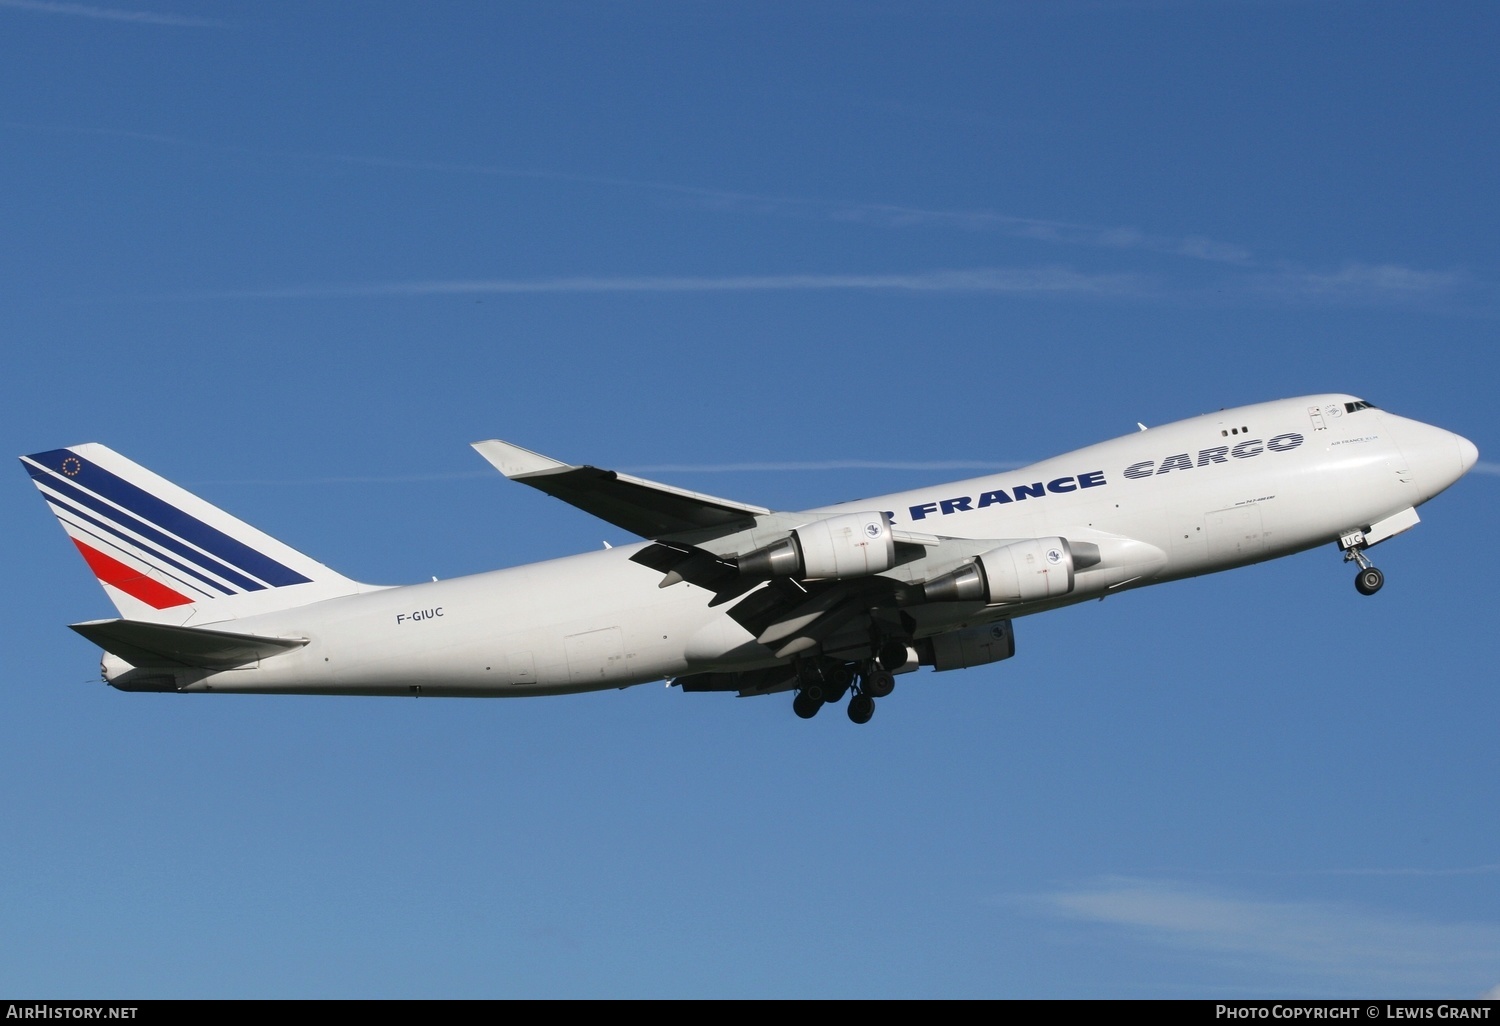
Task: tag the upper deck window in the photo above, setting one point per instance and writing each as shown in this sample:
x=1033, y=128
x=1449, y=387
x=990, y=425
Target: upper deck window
x=1359, y=404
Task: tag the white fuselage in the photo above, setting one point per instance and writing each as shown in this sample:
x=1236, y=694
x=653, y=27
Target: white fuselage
x=1194, y=497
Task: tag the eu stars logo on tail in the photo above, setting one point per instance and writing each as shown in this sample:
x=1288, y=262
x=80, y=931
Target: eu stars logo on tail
x=720, y=595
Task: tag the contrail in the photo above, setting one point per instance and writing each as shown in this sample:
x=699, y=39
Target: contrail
x=111, y=14
x=797, y=466
x=1054, y=280
x=805, y=465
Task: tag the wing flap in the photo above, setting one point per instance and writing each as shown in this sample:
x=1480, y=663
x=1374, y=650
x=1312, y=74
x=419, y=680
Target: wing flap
x=645, y=508
x=165, y=645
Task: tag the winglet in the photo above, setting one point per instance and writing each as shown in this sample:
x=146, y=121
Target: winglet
x=514, y=461
x=647, y=508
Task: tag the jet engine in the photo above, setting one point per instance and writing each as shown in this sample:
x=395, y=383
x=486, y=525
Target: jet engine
x=1023, y=571
x=972, y=646
x=849, y=545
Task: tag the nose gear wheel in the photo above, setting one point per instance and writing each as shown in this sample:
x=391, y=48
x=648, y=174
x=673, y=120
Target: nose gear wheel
x=1369, y=579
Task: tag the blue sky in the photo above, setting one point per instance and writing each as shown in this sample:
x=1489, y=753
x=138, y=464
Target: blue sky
x=296, y=257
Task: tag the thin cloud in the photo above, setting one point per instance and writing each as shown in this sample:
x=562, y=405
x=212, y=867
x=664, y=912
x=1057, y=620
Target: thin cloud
x=1389, y=285
x=797, y=466
x=111, y=14
x=1485, y=467
x=1054, y=232
x=1354, y=282
x=351, y=479
x=1384, y=278
x=816, y=465
x=1059, y=232
x=1357, y=281
x=116, y=133
x=885, y=214
x=1485, y=869
x=507, y=171
x=1349, y=946
x=1035, y=281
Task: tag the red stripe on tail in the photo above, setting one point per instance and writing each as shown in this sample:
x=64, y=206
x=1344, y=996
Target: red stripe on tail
x=132, y=582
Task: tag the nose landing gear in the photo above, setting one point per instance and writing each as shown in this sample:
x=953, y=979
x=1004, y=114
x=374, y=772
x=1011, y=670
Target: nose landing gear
x=1369, y=579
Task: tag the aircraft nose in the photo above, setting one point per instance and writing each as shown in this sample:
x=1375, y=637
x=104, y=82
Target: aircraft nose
x=1435, y=458
x=1468, y=453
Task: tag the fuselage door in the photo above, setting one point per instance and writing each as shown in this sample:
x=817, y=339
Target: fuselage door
x=594, y=655
x=1235, y=535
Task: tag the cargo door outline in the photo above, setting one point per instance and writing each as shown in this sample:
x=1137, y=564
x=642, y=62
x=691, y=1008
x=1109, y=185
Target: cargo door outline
x=1235, y=535
x=594, y=655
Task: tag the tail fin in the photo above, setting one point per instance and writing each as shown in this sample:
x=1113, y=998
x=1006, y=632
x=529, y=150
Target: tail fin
x=164, y=555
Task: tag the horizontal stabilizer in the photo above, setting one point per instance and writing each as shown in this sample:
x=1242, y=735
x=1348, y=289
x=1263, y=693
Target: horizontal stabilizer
x=160, y=644
x=641, y=507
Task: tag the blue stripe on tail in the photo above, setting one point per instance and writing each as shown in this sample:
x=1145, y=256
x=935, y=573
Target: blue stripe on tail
x=67, y=466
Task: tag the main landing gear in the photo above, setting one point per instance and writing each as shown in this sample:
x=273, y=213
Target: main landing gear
x=1369, y=580
x=806, y=705
x=828, y=682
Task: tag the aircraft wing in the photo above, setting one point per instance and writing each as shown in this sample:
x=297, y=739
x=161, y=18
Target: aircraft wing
x=789, y=616
x=160, y=644
x=641, y=507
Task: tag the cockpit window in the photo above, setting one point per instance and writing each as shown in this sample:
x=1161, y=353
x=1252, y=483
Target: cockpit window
x=1359, y=404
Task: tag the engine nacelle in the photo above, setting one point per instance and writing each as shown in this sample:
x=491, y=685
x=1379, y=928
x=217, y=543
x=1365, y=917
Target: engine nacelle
x=972, y=646
x=1023, y=571
x=848, y=545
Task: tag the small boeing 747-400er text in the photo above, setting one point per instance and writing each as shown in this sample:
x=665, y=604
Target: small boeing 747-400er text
x=724, y=596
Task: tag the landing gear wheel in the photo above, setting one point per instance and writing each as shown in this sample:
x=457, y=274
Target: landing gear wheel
x=805, y=706
x=878, y=683
x=1369, y=579
x=861, y=708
